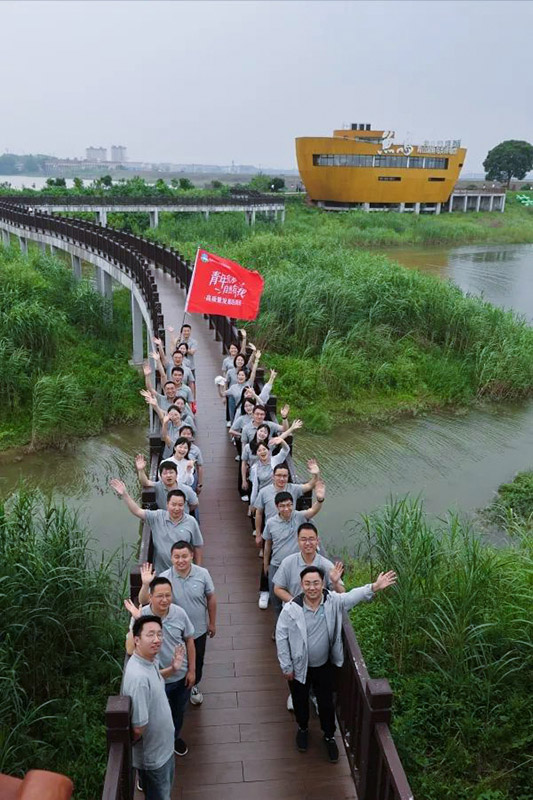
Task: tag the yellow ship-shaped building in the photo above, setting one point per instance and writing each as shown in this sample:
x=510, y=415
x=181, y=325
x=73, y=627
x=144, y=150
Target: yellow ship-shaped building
x=361, y=167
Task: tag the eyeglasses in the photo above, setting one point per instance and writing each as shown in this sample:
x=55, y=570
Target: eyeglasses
x=308, y=539
x=152, y=636
x=312, y=584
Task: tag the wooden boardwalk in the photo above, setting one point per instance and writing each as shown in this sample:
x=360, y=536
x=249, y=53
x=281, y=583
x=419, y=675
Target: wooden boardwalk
x=241, y=739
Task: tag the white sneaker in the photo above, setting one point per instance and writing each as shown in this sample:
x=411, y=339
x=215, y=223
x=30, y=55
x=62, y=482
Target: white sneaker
x=197, y=697
x=245, y=498
x=237, y=458
x=290, y=706
x=228, y=424
x=264, y=597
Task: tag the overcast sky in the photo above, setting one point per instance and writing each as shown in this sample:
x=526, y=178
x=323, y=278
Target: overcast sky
x=215, y=82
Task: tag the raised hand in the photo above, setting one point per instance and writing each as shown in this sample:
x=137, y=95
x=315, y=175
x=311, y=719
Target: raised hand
x=242, y=331
x=177, y=658
x=140, y=462
x=166, y=419
x=150, y=399
x=118, y=486
x=170, y=329
x=297, y=424
x=132, y=608
x=147, y=573
x=258, y=355
x=147, y=369
x=157, y=341
x=313, y=467
x=285, y=410
x=273, y=376
x=320, y=490
x=335, y=574
x=155, y=355
x=384, y=580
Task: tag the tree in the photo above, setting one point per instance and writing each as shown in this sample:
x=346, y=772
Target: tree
x=510, y=159
x=78, y=184
x=277, y=184
x=185, y=183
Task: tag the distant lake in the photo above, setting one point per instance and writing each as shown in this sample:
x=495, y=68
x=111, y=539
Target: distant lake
x=33, y=181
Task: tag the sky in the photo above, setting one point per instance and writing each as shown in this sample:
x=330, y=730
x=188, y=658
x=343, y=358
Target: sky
x=214, y=82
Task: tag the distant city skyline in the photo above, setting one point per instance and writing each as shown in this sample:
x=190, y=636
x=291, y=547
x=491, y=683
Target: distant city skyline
x=216, y=82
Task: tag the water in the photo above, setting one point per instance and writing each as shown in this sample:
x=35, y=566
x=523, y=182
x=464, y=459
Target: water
x=80, y=475
x=452, y=461
x=34, y=181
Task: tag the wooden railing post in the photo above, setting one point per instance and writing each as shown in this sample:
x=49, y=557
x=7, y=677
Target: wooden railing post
x=118, y=728
x=377, y=708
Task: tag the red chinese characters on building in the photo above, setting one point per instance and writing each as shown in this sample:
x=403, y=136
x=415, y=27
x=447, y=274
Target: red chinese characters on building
x=220, y=286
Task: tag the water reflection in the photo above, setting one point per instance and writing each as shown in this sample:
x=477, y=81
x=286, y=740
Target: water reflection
x=80, y=477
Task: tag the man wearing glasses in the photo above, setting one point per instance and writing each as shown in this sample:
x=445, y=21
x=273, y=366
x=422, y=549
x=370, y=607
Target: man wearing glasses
x=309, y=645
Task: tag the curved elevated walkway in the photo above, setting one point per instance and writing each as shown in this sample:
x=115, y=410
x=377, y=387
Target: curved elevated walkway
x=241, y=739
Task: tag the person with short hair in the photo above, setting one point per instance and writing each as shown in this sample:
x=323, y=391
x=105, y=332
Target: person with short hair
x=309, y=647
x=167, y=482
x=280, y=535
x=287, y=581
x=153, y=728
x=194, y=591
x=167, y=526
x=259, y=418
x=178, y=632
x=182, y=390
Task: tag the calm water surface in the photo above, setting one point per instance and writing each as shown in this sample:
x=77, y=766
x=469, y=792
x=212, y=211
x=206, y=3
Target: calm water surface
x=452, y=461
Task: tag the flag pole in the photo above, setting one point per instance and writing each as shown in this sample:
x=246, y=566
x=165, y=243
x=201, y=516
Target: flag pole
x=189, y=289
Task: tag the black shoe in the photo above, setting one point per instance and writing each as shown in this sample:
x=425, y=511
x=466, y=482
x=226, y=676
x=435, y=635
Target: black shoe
x=180, y=748
x=333, y=750
x=301, y=740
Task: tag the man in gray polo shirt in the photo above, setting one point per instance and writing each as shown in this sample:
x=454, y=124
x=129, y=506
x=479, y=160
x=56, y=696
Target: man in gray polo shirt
x=153, y=729
x=281, y=534
x=258, y=418
x=287, y=582
x=309, y=645
x=167, y=526
x=265, y=506
x=168, y=483
x=177, y=631
x=194, y=591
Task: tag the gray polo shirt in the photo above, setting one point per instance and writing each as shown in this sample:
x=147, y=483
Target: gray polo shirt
x=191, y=594
x=173, y=432
x=317, y=635
x=248, y=431
x=176, y=628
x=265, y=498
x=151, y=711
x=288, y=574
x=283, y=535
x=190, y=343
x=188, y=377
x=236, y=390
x=165, y=533
x=240, y=421
x=161, y=491
x=227, y=364
x=195, y=454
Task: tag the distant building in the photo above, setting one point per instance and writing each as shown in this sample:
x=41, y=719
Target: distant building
x=98, y=154
x=118, y=153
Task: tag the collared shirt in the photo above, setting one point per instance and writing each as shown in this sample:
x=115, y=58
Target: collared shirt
x=191, y=593
x=182, y=391
x=265, y=498
x=165, y=533
x=284, y=535
x=249, y=430
x=193, y=344
x=188, y=377
x=317, y=634
x=288, y=574
x=151, y=711
x=176, y=628
x=196, y=455
x=161, y=491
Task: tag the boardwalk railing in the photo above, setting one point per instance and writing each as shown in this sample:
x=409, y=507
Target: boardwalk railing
x=247, y=198
x=363, y=704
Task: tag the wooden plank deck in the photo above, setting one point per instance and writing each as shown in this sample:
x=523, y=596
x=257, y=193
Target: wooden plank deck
x=241, y=739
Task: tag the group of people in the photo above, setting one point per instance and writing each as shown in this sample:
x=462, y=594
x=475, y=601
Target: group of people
x=176, y=613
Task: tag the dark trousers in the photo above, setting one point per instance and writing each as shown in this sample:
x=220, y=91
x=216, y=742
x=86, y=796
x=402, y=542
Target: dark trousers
x=322, y=679
x=177, y=696
x=199, y=644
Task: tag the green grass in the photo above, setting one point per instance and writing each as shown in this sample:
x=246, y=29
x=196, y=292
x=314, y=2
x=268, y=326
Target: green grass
x=352, y=334
x=513, y=505
x=62, y=643
x=454, y=638
x=63, y=368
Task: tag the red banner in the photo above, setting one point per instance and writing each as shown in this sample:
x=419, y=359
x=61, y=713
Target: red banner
x=220, y=286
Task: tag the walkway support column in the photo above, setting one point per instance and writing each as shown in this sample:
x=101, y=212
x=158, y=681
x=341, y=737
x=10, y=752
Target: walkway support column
x=23, y=245
x=283, y=215
x=101, y=217
x=154, y=218
x=465, y=204
x=206, y=215
x=6, y=238
x=137, y=331
x=491, y=202
x=366, y=207
x=104, y=285
x=438, y=208
x=76, y=266
x=42, y=245
x=417, y=208
x=478, y=203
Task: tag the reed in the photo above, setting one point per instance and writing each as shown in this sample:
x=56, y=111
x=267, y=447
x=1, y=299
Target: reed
x=455, y=640
x=62, y=642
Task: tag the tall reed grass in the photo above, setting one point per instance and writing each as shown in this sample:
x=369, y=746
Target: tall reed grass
x=62, y=642
x=455, y=639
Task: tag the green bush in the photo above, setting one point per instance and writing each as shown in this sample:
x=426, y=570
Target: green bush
x=454, y=638
x=62, y=643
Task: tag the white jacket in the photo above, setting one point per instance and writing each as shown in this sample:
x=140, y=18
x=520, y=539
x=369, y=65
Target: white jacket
x=291, y=631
